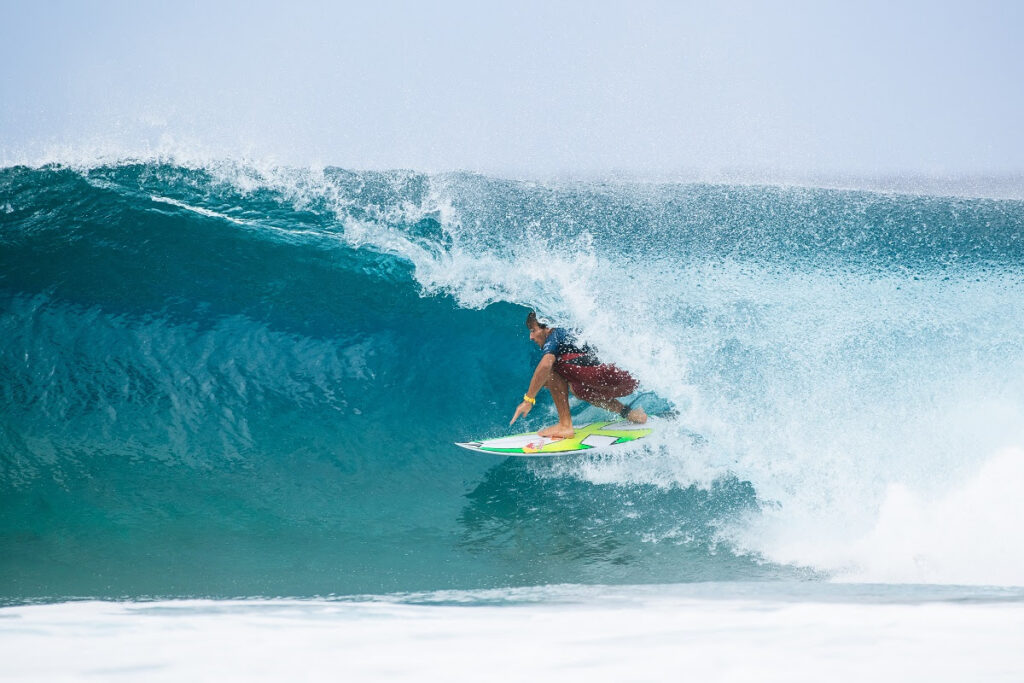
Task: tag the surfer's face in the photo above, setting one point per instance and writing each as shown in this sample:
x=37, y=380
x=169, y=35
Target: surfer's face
x=539, y=334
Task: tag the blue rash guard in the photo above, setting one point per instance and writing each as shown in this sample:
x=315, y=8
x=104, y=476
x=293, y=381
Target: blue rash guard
x=561, y=342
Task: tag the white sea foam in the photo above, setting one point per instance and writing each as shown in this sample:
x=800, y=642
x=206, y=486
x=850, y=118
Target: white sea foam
x=966, y=535
x=572, y=633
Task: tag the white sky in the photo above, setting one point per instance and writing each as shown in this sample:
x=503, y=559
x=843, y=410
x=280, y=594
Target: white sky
x=524, y=87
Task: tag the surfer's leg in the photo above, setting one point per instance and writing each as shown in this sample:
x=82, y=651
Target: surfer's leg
x=637, y=415
x=614, y=405
x=559, y=389
x=604, y=396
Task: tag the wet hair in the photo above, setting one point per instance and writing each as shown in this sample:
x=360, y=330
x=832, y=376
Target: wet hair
x=531, y=321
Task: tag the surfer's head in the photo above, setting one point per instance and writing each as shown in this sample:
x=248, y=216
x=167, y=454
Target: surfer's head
x=539, y=330
x=533, y=321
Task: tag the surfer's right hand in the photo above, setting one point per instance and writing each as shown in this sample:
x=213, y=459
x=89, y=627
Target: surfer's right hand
x=523, y=409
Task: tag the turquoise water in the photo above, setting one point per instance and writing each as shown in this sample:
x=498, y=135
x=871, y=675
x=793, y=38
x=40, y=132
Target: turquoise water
x=225, y=380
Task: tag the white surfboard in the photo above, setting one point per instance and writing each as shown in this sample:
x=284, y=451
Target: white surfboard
x=589, y=438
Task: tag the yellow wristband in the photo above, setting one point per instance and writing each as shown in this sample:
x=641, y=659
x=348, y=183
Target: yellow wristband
x=531, y=401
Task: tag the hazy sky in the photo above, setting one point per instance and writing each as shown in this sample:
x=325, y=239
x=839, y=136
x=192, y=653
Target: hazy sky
x=523, y=87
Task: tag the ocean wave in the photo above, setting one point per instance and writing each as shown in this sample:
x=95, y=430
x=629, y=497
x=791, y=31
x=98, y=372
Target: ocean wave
x=222, y=368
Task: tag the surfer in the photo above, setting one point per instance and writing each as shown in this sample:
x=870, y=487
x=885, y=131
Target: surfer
x=568, y=366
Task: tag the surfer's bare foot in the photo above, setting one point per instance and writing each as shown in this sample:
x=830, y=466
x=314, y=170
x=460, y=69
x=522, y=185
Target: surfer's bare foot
x=637, y=415
x=559, y=432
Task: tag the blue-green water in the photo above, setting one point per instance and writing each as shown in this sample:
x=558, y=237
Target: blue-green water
x=232, y=381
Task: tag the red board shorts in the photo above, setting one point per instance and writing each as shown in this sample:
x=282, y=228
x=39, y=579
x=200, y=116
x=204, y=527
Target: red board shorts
x=594, y=382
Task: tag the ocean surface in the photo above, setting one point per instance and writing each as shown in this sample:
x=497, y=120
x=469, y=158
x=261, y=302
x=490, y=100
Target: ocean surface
x=238, y=386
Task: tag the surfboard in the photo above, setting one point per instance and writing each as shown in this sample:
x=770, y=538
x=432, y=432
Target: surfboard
x=589, y=438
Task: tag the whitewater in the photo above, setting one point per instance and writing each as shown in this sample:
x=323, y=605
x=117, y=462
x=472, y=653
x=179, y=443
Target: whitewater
x=230, y=393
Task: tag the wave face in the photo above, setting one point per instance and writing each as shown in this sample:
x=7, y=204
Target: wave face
x=224, y=380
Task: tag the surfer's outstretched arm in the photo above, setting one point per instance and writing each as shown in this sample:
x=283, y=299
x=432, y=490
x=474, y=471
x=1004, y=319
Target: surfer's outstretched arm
x=540, y=377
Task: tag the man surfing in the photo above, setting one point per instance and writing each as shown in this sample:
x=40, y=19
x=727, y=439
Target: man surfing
x=568, y=366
